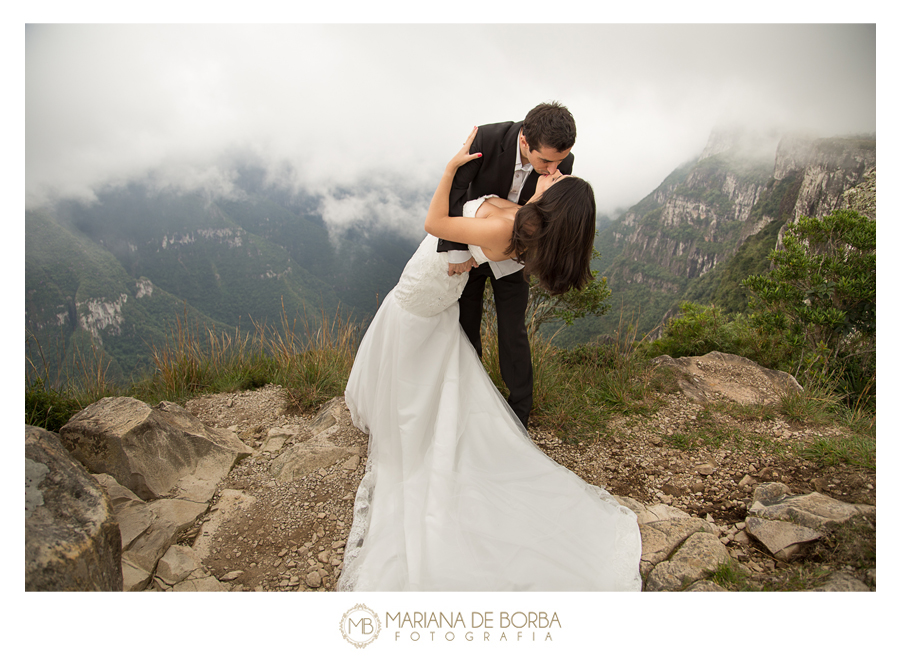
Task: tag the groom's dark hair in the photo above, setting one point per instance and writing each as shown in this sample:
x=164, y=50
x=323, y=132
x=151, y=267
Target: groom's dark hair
x=549, y=124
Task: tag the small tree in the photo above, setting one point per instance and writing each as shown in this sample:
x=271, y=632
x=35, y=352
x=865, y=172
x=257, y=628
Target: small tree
x=820, y=296
x=544, y=307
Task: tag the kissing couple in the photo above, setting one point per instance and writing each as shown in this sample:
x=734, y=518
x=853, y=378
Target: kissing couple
x=456, y=496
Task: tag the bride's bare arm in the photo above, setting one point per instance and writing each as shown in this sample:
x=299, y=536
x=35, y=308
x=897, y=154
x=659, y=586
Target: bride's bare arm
x=491, y=231
x=439, y=209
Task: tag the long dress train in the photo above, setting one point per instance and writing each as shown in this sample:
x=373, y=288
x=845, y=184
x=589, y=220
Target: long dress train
x=456, y=497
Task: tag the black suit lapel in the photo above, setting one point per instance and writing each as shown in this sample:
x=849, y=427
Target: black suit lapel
x=507, y=161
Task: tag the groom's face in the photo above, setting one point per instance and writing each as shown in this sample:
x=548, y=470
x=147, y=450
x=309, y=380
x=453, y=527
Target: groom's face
x=545, y=160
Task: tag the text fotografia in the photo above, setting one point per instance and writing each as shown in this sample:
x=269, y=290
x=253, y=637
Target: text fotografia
x=480, y=626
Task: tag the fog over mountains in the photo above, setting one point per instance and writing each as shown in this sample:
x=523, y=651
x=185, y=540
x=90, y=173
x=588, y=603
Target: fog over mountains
x=121, y=271
x=118, y=273
x=216, y=171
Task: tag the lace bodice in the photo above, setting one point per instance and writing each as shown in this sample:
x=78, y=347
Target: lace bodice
x=425, y=287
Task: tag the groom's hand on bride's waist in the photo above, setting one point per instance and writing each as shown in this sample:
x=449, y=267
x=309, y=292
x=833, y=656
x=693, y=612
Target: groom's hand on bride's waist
x=461, y=268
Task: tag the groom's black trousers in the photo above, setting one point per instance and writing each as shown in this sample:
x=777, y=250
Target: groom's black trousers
x=511, y=300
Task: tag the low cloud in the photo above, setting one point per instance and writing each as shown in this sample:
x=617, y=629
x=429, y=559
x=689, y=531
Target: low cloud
x=331, y=108
x=377, y=208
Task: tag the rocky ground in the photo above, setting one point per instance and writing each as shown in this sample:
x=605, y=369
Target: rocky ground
x=290, y=535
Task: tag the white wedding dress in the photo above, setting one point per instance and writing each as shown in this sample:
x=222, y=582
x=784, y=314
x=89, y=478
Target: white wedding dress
x=456, y=497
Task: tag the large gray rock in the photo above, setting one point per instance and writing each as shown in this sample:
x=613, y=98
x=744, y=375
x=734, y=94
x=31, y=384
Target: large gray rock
x=278, y=436
x=813, y=510
x=728, y=375
x=308, y=457
x=72, y=540
x=148, y=529
x=659, y=539
x=782, y=539
x=770, y=493
x=700, y=554
x=178, y=564
x=328, y=416
x=660, y=512
x=153, y=451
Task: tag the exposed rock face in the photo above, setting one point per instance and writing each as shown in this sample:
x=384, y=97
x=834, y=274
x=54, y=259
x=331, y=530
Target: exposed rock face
x=102, y=315
x=72, y=540
x=148, y=529
x=813, y=510
x=701, y=553
x=690, y=224
x=144, y=287
x=862, y=197
x=830, y=167
x=729, y=376
x=700, y=216
x=153, y=451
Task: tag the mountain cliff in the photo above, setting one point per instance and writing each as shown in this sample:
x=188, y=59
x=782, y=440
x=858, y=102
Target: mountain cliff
x=714, y=220
x=116, y=274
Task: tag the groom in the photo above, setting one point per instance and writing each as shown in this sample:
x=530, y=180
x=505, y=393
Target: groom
x=514, y=155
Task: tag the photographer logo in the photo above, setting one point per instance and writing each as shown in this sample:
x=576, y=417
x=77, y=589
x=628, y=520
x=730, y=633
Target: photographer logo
x=360, y=626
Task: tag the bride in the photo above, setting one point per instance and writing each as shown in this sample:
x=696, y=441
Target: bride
x=456, y=497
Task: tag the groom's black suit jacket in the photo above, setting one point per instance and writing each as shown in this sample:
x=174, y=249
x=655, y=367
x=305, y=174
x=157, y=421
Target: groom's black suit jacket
x=493, y=172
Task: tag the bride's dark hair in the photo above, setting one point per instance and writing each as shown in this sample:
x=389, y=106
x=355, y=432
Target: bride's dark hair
x=554, y=236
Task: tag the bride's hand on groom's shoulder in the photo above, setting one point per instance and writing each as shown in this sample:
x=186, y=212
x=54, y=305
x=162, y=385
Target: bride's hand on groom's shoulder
x=463, y=156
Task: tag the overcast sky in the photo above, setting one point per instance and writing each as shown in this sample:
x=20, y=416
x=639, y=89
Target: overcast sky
x=390, y=103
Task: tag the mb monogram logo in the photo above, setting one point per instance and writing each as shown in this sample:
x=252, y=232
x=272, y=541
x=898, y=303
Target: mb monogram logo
x=360, y=626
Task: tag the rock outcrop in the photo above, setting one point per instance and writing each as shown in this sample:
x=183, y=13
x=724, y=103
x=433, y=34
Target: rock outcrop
x=72, y=540
x=160, y=451
x=679, y=551
x=157, y=468
x=279, y=519
x=148, y=528
x=829, y=168
x=728, y=376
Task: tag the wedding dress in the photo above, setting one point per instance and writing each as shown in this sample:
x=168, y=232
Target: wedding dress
x=456, y=497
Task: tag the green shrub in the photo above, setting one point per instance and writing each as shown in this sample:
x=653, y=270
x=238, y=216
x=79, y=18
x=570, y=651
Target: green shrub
x=700, y=329
x=819, y=299
x=48, y=408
